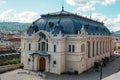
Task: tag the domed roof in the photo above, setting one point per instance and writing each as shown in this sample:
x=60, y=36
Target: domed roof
x=67, y=23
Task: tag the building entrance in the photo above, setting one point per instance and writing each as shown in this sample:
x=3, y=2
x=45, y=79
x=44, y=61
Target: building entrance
x=42, y=64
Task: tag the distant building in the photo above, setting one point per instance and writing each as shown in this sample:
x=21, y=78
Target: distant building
x=15, y=42
x=2, y=35
x=11, y=36
x=10, y=40
x=65, y=42
x=4, y=44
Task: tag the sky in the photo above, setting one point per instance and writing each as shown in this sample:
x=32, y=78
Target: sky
x=26, y=11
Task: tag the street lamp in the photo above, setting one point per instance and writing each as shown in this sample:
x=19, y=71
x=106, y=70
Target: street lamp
x=101, y=65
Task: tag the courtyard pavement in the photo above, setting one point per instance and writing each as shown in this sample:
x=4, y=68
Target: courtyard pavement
x=110, y=72
x=20, y=74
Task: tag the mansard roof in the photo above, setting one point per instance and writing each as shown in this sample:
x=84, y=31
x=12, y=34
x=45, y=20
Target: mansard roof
x=67, y=23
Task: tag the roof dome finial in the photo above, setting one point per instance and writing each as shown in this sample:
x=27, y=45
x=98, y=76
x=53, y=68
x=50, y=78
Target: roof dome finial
x=62, y=8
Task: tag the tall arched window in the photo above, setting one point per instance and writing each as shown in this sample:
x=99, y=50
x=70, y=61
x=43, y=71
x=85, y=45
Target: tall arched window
x=97, y=48
x=88, y=51
x=43, y=46
x=93, y=49
x=29, y=46
x=100, y=47
x=83, y=48
x=43, y=42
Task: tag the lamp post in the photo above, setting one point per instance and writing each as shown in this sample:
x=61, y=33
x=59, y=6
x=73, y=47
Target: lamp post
x=101, y=64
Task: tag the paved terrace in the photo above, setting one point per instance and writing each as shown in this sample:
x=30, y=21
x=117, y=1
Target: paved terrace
x=112, y=68
x=20, y=74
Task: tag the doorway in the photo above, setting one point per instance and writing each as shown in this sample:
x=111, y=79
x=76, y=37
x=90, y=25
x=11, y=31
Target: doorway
x=42, y=64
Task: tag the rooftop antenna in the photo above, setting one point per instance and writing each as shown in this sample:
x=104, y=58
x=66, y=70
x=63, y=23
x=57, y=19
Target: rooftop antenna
x=62, y=6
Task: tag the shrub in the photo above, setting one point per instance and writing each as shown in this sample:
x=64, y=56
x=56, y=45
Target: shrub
x=8, y=62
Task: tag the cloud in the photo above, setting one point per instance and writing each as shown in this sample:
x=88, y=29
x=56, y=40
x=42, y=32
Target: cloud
x=14, y=16
x=88, y=5
x=108, y=2
x=2, y=2
x=76, y=2
x=83, y=2
x=85, y=8
x=113, y=24
x=99, y=17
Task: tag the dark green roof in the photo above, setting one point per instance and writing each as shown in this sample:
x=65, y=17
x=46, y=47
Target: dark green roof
x=42, y=53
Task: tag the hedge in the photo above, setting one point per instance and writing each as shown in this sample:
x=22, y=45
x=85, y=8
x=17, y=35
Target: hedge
x=12, y=61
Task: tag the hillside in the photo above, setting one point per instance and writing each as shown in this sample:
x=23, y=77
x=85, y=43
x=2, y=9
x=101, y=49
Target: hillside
x=117, y=33
x=13, y=27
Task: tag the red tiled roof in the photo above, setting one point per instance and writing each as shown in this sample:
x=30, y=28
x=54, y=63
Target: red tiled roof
x=14, y=39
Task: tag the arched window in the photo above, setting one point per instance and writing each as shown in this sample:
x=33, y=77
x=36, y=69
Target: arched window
x=54, y=48
x=29, y=46
x=43, y=42
x=83, y=48
x=97, y=48
x=43, y=46
x=88, y=49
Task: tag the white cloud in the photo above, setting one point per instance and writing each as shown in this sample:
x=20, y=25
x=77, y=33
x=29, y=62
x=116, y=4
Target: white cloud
x=103, y=2
x=88, y=5
x=14, y=16
x=108, y=2
x=112, y=23
x=99, y=17
x=76, y=2
x=2, y=2
x=82, y=2
x=85, y=8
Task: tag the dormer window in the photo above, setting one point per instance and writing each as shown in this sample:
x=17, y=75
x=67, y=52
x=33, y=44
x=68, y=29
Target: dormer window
x=96, y=28
x=86, y=26
x=104, y=29
x=51, y=24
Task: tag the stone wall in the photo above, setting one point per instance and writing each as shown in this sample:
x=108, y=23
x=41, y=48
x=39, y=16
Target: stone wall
x=9, y=67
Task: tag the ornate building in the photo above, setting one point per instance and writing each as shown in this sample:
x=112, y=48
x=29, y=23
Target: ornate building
x=62, y=41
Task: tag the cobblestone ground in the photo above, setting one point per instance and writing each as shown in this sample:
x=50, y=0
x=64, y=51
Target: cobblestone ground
x=20, y=74
x=111, y=68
